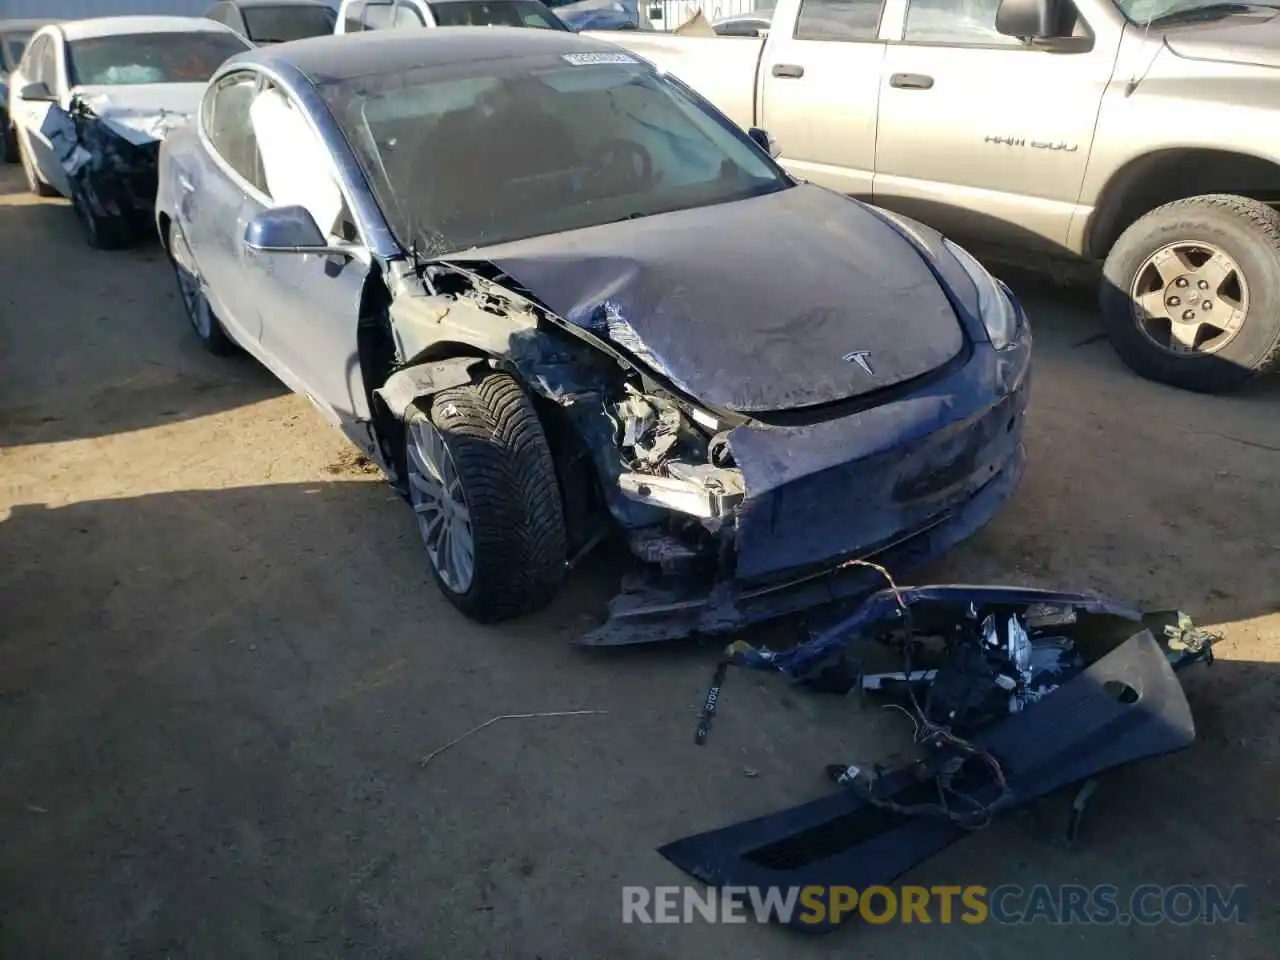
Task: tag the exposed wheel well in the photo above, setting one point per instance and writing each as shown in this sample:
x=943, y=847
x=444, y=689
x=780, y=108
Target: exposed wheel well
x=1158, y=178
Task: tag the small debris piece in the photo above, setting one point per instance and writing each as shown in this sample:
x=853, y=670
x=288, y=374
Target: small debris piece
x=507, y=716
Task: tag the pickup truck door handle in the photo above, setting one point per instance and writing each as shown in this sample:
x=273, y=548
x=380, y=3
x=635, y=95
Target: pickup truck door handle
x=911, y=81
x=788, y=71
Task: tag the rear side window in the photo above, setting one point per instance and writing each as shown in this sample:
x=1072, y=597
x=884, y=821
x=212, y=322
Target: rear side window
x=838, y=20
x=378, y=16
x=227, y=124
x=287, y=22
x=129, y=58
x=11, y=48
x=352, y=19
x=495, y=13
x=407, y=15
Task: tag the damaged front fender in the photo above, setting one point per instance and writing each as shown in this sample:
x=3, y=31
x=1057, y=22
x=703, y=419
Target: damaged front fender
x=424, y=380
x=109, y=154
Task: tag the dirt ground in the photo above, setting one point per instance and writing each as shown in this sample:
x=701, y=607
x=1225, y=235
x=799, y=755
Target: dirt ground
x=221, y=660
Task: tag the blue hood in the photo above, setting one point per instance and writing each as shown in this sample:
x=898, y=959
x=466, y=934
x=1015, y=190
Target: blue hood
x=753, y=305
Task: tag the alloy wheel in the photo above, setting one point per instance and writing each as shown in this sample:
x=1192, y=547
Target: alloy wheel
x=444, y=519
x=190, y=285
x=1190, y=298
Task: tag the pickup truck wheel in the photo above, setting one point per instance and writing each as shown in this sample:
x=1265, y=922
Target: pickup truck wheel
x=1191, y=293
x=483, y=486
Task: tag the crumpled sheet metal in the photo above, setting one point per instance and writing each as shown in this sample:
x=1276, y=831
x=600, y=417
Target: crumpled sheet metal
x=1077, y=732
x=110, y=161
x=706, y=296
x=884, y=606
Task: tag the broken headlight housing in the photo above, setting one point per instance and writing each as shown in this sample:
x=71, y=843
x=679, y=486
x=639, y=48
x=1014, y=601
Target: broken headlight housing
x=995, y=307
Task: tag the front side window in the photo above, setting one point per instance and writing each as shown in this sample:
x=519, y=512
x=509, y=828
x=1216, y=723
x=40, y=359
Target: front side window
x=967, y=23
x=496, y=13
x=129, y=58
x=226, y=121
x=839, y=20
x=476, y=154
x=287, y=22
x=295, y=161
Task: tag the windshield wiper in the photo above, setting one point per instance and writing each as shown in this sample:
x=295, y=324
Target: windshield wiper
x=1211, y=11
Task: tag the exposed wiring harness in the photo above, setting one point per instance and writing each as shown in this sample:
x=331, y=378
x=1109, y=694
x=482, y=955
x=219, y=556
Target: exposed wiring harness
x=975, y=813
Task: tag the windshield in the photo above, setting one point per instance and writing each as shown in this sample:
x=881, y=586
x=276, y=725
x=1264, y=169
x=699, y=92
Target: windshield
x=127, y=58
x=11, y=47
x=495, y=13
x=1148, y=11
x=287, y=22
x=482, y=153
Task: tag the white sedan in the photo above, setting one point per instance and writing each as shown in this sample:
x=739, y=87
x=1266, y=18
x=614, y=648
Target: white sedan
x=90, y=102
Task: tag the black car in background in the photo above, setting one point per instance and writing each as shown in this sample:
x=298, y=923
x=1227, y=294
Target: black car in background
x=14, y=35
x=275, y=21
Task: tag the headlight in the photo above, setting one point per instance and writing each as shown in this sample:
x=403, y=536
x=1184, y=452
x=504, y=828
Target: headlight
x=998, y=313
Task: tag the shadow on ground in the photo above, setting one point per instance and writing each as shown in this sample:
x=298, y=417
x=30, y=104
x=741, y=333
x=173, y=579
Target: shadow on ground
x=212, y=706
x=67, y=376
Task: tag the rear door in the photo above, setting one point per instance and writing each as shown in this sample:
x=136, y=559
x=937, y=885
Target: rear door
x=984, y=136
x=819, y=89
x=212, y=196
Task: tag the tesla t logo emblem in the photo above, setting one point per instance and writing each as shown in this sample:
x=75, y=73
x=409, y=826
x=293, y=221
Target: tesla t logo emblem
x=863, y=359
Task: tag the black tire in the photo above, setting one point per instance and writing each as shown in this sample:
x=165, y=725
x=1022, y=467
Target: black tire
x=211, y=333
x=34, y=183
x=8, y=140
x=502, y=459
x=1245, y=230
x=102, y=232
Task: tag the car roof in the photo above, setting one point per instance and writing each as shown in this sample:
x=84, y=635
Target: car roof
x=279, y=3
x=27, y=25
x=111, y=26
x=349, y=55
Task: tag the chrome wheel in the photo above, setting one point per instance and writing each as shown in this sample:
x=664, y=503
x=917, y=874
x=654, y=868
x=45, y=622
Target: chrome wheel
x=1190, y=298
x=190, y=286
x=444, y=519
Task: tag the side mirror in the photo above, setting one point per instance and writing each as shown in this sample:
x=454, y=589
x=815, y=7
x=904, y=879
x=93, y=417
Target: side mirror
x=738, y=29
x=1031, y=19
x=37, y=92
x=764, y=141
x=293, y=230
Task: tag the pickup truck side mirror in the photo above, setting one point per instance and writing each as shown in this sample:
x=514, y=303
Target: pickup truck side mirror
x=37, y=92
x=764, y=141
x=1032, y=19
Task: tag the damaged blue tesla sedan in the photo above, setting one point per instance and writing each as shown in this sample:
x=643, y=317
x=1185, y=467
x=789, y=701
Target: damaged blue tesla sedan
x=556, y=295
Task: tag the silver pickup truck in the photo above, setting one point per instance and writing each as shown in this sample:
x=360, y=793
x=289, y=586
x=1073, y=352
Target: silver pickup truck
x=1142, y=135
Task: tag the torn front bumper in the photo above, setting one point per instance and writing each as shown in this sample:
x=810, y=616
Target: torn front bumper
x=899, y=483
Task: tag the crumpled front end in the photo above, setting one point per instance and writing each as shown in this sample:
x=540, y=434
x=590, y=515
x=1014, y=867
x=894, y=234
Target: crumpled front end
x=898, y=482
x=110, y=154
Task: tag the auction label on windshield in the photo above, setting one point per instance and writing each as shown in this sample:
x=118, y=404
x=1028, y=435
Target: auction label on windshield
x=589, y=59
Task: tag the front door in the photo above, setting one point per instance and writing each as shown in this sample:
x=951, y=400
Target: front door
x=308, y=304
x=819, y=92
x=32, y=118
x=982, y=135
